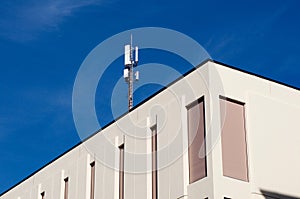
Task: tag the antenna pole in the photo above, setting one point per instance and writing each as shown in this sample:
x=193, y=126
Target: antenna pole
x=130, y=63
x=130, y=87
x=130, y=84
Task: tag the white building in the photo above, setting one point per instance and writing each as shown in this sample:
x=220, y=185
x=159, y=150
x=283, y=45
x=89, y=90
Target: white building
x=215, y=133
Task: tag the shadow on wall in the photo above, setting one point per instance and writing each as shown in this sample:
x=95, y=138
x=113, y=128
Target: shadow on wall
x=274, y=195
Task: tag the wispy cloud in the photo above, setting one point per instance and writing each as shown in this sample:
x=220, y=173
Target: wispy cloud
x=26, y=20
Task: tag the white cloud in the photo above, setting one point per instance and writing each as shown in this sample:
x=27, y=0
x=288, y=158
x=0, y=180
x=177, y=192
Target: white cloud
x=24, y=21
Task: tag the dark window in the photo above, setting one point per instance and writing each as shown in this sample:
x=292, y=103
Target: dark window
x=233, y=139
x=66, y=180
x=196, y=141
x=154, y=162
x=92, y=180
x=121, y=172
x=43, y=195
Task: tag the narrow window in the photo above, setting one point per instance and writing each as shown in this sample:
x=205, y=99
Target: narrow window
x=233, y=139
x=121, y=172
x=43, y=195
x=92, y=180
x=196, y=141
x=154, y=161
x=66, y=180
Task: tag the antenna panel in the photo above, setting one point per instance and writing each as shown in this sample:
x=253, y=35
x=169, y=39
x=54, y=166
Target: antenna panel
x=127, y=60
x=136, y=54
x=137, y=76
x=126, y=73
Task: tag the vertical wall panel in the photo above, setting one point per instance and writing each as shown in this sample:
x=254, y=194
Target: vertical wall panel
x=233, y=138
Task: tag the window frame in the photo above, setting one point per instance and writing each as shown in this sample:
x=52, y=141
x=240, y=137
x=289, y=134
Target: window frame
x=43, y=195
x=121, y=170
x=66, y=188
x=188, y=107
x=243, y=104
x=154, y=161
x=93, y=175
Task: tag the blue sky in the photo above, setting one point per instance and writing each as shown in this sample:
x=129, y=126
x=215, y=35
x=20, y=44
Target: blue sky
x=43, y=44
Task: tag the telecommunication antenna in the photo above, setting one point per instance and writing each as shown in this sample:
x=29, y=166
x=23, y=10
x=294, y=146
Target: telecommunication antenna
x=131, y=57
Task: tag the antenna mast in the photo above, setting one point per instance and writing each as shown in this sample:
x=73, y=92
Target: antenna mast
x=131, y=61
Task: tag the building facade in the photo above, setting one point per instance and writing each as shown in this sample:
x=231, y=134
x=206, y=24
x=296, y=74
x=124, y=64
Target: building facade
x=216, y=133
